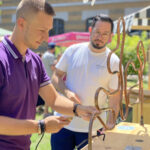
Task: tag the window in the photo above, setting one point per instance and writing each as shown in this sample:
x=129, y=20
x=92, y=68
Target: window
x=88, y=23
x=58, y=27
x=13, y=18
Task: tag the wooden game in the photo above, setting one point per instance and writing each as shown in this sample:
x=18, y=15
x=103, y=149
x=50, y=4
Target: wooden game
x=125, y=136
x=136, y=110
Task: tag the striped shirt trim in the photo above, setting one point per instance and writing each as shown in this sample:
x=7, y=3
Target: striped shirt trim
x=10, y=49
x=45, y=83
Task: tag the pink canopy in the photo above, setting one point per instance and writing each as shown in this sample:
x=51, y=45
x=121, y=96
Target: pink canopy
x=70, y=38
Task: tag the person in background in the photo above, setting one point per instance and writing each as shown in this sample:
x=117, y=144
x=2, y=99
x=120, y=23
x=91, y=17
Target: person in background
x=85, y=67
x=40, y=102
x=48, y=60
x=23, y=77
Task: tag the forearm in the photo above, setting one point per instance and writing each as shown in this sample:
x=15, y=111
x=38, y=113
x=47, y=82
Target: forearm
x=55, y=100
x=63, y=105
x=10, y=126
x=59, y=84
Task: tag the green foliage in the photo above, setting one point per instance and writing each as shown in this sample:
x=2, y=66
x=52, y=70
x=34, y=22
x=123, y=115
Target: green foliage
x=130, y=50
x=59, y=50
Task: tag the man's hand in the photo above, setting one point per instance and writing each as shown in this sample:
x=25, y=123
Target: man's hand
x=55, y=123
x=86, y=111
x=72, y=96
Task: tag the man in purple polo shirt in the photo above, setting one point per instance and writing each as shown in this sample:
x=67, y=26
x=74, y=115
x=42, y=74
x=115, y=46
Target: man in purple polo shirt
x=23, y=77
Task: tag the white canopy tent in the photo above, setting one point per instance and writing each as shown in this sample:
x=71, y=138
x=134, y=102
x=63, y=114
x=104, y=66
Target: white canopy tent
x=138, y=20
x=92, y=1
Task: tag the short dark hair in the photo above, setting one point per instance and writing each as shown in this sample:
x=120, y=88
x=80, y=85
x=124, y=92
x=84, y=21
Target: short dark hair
x=51, y=45
x=103, y=18
x=26, y=7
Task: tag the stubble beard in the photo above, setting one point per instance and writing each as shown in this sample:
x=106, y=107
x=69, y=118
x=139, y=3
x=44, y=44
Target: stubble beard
x=98, y=47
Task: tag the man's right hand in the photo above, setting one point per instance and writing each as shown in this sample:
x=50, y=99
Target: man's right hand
x=55, y=123
x=72, y=96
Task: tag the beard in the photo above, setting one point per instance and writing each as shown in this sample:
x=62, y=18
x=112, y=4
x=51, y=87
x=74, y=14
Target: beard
x=96, y=46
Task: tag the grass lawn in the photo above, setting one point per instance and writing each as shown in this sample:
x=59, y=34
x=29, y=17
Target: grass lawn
x=45, y=143
x=133, y=82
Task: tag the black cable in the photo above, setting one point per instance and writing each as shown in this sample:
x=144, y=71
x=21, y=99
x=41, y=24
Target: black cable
x=39, y=141
x=99, y=133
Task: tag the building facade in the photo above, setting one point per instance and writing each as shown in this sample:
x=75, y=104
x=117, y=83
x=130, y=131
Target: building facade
x=74, y=15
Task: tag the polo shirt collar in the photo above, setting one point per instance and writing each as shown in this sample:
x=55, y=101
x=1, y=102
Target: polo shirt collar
x=14, y=51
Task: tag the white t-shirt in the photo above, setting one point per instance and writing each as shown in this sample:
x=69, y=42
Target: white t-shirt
x=87, y=71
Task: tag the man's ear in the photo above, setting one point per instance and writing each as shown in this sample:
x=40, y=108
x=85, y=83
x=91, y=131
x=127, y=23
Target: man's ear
x=21, y=23
x=110, y=38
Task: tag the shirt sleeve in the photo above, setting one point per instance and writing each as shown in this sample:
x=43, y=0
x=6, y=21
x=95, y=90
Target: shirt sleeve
x=2, y=76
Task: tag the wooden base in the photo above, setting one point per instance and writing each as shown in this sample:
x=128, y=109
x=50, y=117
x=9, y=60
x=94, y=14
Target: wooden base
x=136, y=111
x=125, y=136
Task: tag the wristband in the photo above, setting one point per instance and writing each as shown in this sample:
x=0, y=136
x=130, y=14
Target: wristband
x=41, y=125
x=75, y=109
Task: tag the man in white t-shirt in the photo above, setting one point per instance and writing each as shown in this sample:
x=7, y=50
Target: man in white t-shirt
x=85, y=67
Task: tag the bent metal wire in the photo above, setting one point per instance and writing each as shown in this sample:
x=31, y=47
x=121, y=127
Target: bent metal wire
x=122, y=84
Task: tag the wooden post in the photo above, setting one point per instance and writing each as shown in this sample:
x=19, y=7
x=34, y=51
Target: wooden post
x=149, y=78
x=148, y=60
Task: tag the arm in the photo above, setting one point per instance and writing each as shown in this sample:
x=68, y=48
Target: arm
x=52, y=67
x=64, y=105
x=57, y=80
x=56, y=101
x=10, y=126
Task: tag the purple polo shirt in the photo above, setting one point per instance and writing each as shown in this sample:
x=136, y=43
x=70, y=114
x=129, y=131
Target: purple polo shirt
x=19, y=87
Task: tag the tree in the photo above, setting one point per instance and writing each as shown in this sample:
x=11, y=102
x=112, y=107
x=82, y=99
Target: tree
x=130, y=48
